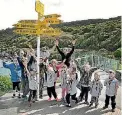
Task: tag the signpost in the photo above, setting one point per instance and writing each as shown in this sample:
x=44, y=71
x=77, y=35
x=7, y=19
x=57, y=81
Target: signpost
x=39, y=27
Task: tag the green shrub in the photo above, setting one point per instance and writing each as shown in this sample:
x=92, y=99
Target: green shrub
x=117, y=53
x=5, y=83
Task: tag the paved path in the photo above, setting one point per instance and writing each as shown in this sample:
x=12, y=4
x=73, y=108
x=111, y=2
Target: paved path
x=9, y=106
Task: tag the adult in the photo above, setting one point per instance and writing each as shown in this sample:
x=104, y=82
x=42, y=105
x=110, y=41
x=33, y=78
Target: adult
x=65, y=54
x=22, y=60
x=42, y=71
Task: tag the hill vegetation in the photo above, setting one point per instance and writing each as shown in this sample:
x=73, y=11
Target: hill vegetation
x=92, y=34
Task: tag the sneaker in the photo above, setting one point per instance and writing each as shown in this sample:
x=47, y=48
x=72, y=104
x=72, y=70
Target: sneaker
x=23, y=96
x=113, y=110
x=105, y=107
x=90, y=104
x=13, y=95
x=58, y=99
x=76, y=101
x=19, y=96
x=86, y=102
x=68, y=105
x=49, y=99
x=40, y=97
x=96, y=105
x=33, y=101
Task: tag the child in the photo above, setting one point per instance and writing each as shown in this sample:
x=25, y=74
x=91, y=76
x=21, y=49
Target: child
x=33, y=85
x=64, y=77
x=111, y=90
x=56, y=67
x=71, y=86
x=96, y=87
x=85, y=83
x=15, y=77
x=50, y=83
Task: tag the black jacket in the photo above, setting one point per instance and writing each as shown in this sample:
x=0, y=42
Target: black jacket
x=66, y=56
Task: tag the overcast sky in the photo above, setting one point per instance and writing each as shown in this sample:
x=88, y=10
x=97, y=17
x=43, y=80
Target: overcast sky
x=12, y=11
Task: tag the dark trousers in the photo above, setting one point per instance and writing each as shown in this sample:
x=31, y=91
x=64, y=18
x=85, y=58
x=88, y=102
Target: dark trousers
x=25, y=85
x=32, y=95
x=16, y=84
x=113, y=103
x=72, y=96
x=41, y=85
x=84, y=92
x=51, y=91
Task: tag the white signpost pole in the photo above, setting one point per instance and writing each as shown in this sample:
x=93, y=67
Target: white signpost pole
x=38, y=56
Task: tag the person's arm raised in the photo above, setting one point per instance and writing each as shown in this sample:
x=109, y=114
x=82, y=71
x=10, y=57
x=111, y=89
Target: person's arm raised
x=5, y=65
x=58, y=48
x=73, y=47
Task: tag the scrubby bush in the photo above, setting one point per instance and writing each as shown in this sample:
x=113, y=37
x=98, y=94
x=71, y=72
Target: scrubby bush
x=5, y=83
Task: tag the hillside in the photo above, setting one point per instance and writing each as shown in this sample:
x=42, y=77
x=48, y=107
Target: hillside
x=92, y=34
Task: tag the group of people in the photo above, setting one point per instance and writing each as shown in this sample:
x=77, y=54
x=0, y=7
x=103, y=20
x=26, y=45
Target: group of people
x=23, y=70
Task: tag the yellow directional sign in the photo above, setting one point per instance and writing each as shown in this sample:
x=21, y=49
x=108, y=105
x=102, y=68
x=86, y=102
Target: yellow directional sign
x=28, y=21
x=44, y=22
x=32, y=26
x=32, y=22
x=52, y=16
x=52, y=21
x=39, y=7
x=51, y=31
x=26, y=31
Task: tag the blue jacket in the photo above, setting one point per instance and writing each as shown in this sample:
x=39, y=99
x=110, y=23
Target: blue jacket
x=15, y=71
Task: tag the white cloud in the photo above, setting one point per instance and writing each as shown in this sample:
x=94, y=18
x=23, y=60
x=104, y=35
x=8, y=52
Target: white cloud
x=12, y=11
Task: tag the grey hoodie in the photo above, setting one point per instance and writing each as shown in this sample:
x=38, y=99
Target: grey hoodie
x=64, y=77
x=96, y=87
x=51, y=76
x=72, y=83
